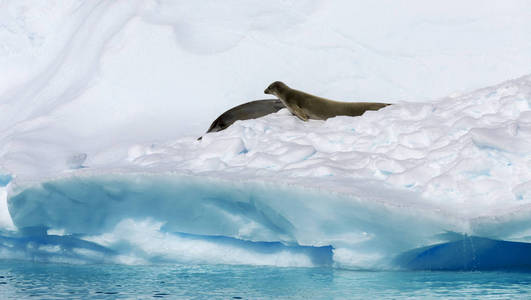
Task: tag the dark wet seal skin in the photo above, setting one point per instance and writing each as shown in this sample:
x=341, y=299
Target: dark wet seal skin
x=250, y=110
x=306, y=106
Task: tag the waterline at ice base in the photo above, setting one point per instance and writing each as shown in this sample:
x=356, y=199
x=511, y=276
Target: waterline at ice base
x=444, y=185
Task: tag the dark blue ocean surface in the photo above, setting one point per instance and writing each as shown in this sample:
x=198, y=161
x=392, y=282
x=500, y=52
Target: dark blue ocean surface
x=27, y=280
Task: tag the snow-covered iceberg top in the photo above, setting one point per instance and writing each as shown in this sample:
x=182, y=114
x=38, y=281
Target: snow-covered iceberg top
x=371, y=187
x=470, y=153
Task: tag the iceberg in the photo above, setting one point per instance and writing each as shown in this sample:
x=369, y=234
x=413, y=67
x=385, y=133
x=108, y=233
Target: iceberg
x=101, y=104
x=403, y=187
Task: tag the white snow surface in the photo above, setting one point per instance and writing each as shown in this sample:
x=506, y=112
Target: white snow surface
x=82, y=76
x=470, y=155
x=114, y=94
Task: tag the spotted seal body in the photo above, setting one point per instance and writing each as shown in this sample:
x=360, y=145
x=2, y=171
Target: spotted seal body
x=306, y=106
x=250, y=110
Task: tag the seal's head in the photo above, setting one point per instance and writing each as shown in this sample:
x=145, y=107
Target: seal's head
x=275, y=88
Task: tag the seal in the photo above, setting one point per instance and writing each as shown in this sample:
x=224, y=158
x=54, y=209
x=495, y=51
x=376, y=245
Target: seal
x=250, y=110
x=306, y=106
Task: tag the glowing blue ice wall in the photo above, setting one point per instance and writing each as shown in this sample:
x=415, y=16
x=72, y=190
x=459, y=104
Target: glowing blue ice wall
x=365, y=231
x=469, y=254
x=168, y=217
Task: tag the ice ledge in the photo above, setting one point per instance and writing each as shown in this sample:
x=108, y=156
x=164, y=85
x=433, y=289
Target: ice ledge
x=375, y=221
x=367, y=228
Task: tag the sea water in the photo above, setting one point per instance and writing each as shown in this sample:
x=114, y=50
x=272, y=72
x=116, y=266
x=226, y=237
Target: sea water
x=28, y=280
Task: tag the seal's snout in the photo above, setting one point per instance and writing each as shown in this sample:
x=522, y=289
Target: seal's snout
x=266, y=91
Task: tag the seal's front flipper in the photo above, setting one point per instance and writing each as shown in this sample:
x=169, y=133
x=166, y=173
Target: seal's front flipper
x=299, y=113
